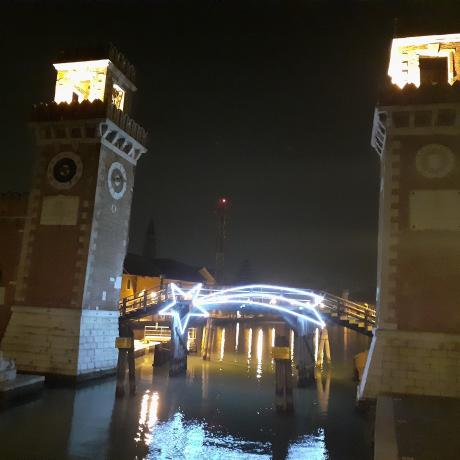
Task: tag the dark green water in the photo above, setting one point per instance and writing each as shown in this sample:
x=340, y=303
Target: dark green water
x=223, y=409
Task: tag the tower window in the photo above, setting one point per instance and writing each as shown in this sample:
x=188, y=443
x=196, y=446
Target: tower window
x=422, y=118
x=446, y=117
x=118, y=97
x=401, y=119
x=128, y=286
x=433, y=70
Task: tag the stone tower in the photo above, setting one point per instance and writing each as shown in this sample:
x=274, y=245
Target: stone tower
x=65, y=314
x=416, y=346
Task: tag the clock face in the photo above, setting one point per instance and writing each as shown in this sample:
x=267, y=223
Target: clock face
x=64, y=170
x=117, y=180
x=434, y=161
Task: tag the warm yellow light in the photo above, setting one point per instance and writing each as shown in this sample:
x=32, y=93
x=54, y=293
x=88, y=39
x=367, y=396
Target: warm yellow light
x=260, y=345
x=249, y=342
x=237, y=336
x=404, y=67
x=222, y=344
x=118, y=97
x=83, y=80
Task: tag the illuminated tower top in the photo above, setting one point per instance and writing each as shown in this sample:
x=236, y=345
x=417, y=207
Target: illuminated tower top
x=425, y=60
x=109, y=78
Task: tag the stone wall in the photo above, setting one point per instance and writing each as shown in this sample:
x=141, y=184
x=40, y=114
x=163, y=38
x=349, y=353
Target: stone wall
x=412, y=363
x=61, y=341
x=97, y=352
x=43, y=340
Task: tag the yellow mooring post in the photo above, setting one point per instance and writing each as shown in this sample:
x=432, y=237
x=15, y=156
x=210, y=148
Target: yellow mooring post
x=283, y=373
x=125, y=345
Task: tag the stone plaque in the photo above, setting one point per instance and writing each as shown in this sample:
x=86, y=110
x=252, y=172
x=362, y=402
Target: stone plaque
x=435, y=210
x=59, y=210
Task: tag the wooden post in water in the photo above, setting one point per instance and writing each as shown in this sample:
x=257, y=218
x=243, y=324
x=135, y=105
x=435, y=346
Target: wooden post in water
x=207, y=339
x=303, y=354
x=178, y=361
x=204, y=341
x=199, y=340
x=212, y=339
x=125, y=345
x=283, y=372
x=324, y=350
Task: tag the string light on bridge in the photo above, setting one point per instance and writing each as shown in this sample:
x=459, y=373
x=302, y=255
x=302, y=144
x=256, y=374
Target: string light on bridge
x=257, y=295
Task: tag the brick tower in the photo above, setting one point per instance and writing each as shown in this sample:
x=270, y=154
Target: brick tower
x=416, y=346
x=65, y=314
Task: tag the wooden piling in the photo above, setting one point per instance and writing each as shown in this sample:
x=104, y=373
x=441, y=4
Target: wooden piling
x=178, y=360
x=303, y=352
x=324, y=350
x=283, y=373
x=125, y=345
x=121, y=371
x=199, y=339
x=304, y=357
x=207, y=340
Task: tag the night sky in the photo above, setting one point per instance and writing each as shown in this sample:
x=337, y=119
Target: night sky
x=268, y=103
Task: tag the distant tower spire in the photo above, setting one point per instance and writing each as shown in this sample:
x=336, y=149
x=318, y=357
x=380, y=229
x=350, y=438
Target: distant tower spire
x=150, y=241
x=221, y=213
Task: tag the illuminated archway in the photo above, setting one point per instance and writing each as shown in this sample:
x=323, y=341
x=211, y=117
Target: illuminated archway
x=301, y=304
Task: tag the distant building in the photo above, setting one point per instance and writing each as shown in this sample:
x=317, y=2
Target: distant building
x=142, y=273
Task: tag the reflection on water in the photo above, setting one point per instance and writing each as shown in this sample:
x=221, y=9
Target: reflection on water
x=223, y=409
x=148, y=417
x=222, y=344
x=260, y=345
x=237, y=335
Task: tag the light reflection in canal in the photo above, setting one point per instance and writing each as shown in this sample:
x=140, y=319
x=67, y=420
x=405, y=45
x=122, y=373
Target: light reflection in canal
x=237, y=335
x=260, y=345
x=222, y=344
x=148, y=417
x=223, y=409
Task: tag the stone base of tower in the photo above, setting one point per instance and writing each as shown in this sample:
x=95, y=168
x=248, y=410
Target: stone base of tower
x=418, y=363
x=59, y=342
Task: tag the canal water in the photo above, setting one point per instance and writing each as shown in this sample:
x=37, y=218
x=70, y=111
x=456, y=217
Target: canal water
x=222, y=409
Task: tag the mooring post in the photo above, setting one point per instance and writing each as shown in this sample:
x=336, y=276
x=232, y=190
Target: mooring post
x=131, y=365
x=283, y=372
x=324, y=349
x=121, y=371
x=204, y=342
x=178, y=360
x=125, y=345
x=212, y=339
x=207, y=341
x=304, y=357
x=199, y=339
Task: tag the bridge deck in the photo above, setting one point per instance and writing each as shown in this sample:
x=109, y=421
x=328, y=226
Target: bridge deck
x=353, y=315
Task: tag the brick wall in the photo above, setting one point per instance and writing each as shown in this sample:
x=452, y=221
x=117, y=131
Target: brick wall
x=12, y=218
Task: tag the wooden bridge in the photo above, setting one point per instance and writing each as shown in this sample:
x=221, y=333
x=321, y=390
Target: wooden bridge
x=297, y=307
x=353, y=315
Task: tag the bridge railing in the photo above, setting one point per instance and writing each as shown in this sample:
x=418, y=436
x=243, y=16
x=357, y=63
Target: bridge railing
x=336, y=306
x=351, y=310
x=144, y=299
